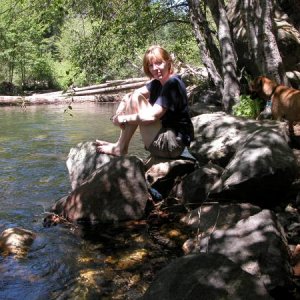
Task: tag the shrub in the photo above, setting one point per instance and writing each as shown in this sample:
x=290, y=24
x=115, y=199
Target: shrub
x=248, y=107
x=40, y=74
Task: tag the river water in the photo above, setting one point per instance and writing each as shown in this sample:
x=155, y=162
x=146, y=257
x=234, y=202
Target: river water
x=65, y=261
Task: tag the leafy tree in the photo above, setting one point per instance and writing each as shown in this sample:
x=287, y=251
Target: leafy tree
x=88, y=41
x=25, y=41
x=95, y=40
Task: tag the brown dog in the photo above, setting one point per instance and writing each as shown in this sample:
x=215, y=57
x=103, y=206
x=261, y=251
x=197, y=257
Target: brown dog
x=285, y=100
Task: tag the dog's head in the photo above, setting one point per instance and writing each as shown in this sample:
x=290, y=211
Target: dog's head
x=262, y=87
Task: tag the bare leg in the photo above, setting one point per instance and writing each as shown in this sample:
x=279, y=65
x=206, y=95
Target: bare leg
x=123, y=104
x=121, y=146
x=148, y=132
x=100, y=142
x=120, y=110
x=134, y=104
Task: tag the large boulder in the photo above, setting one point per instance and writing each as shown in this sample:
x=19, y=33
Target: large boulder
x=218, y=135
x=259, y=166
x=82, y=161
x=115, y=192
x=205, y=276
x=257, y=242
x=215, y=216
x=261, y=171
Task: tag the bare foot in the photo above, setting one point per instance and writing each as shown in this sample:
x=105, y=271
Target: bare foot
x=110, y=148
x=100, y=143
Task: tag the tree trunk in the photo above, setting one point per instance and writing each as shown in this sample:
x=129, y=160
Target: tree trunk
x=231, y=89
x=23, y=72
x=197, y=20
x=10, y=72
x=272, y=64
x=265, y=40
x=111, y=83
x=249, y=11
x=208, y=34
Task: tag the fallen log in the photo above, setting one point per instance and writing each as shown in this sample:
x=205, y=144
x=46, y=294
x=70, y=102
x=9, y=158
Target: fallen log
x=109, y=84
x=111, y=89
x=107, y=92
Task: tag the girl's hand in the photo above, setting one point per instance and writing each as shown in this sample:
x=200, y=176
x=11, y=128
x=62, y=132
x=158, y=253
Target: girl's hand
x=117, y=122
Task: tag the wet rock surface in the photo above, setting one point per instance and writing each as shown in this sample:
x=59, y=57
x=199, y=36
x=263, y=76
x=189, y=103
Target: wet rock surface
x=16, y=241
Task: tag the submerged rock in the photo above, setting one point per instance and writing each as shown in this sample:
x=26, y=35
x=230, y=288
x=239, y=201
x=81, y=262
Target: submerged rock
x=16, y=241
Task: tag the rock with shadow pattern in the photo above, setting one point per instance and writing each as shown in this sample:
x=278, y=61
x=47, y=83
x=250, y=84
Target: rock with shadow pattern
x=258, y=164
x=82, y=161
x=16, y=241
x=117, y=191
x=252, y=238
x=205, y=276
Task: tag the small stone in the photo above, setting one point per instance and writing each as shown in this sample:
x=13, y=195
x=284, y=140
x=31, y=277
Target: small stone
x=16, y=241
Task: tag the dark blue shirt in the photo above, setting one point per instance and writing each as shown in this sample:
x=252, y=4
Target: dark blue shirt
x=172, y=96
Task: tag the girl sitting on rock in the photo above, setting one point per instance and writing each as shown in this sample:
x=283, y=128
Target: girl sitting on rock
x=160, y=109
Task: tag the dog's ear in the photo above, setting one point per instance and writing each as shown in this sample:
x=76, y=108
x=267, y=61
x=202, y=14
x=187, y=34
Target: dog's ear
x=267, y=85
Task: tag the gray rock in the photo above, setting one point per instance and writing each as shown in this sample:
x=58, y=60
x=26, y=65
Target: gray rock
x=205, y=276
x=162, y=174
x=16, y=241
x=218, y=135
x=115, y=192
x=261, y=170
x=215, y=216
x=82, y=161
x=257, y=244
x=199, y=108
x=197, y=185
x=259, y=166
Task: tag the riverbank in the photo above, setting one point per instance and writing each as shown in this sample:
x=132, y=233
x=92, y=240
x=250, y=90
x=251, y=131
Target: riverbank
x=55, y=98
x=111, y=91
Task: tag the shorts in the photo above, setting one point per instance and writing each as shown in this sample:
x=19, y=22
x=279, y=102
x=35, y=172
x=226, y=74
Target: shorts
x=166, y=144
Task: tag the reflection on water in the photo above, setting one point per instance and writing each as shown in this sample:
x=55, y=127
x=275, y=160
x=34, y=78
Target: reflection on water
x=64, y=262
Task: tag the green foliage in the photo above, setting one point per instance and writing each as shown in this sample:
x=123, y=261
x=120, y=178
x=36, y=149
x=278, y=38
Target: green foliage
x=64, y=42
x=247, y=107
x=40, y=74
x=67, y=75
x=26, y=44
x=101, y=46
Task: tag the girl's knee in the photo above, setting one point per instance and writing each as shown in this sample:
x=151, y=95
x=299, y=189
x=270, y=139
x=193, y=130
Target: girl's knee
x=137, y=97
x=138, y=102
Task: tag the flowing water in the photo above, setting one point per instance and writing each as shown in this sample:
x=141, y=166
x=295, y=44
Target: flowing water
x=65, y=261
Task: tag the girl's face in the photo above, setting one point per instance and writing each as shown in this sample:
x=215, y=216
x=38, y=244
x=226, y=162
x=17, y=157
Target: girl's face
x=159, y=69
